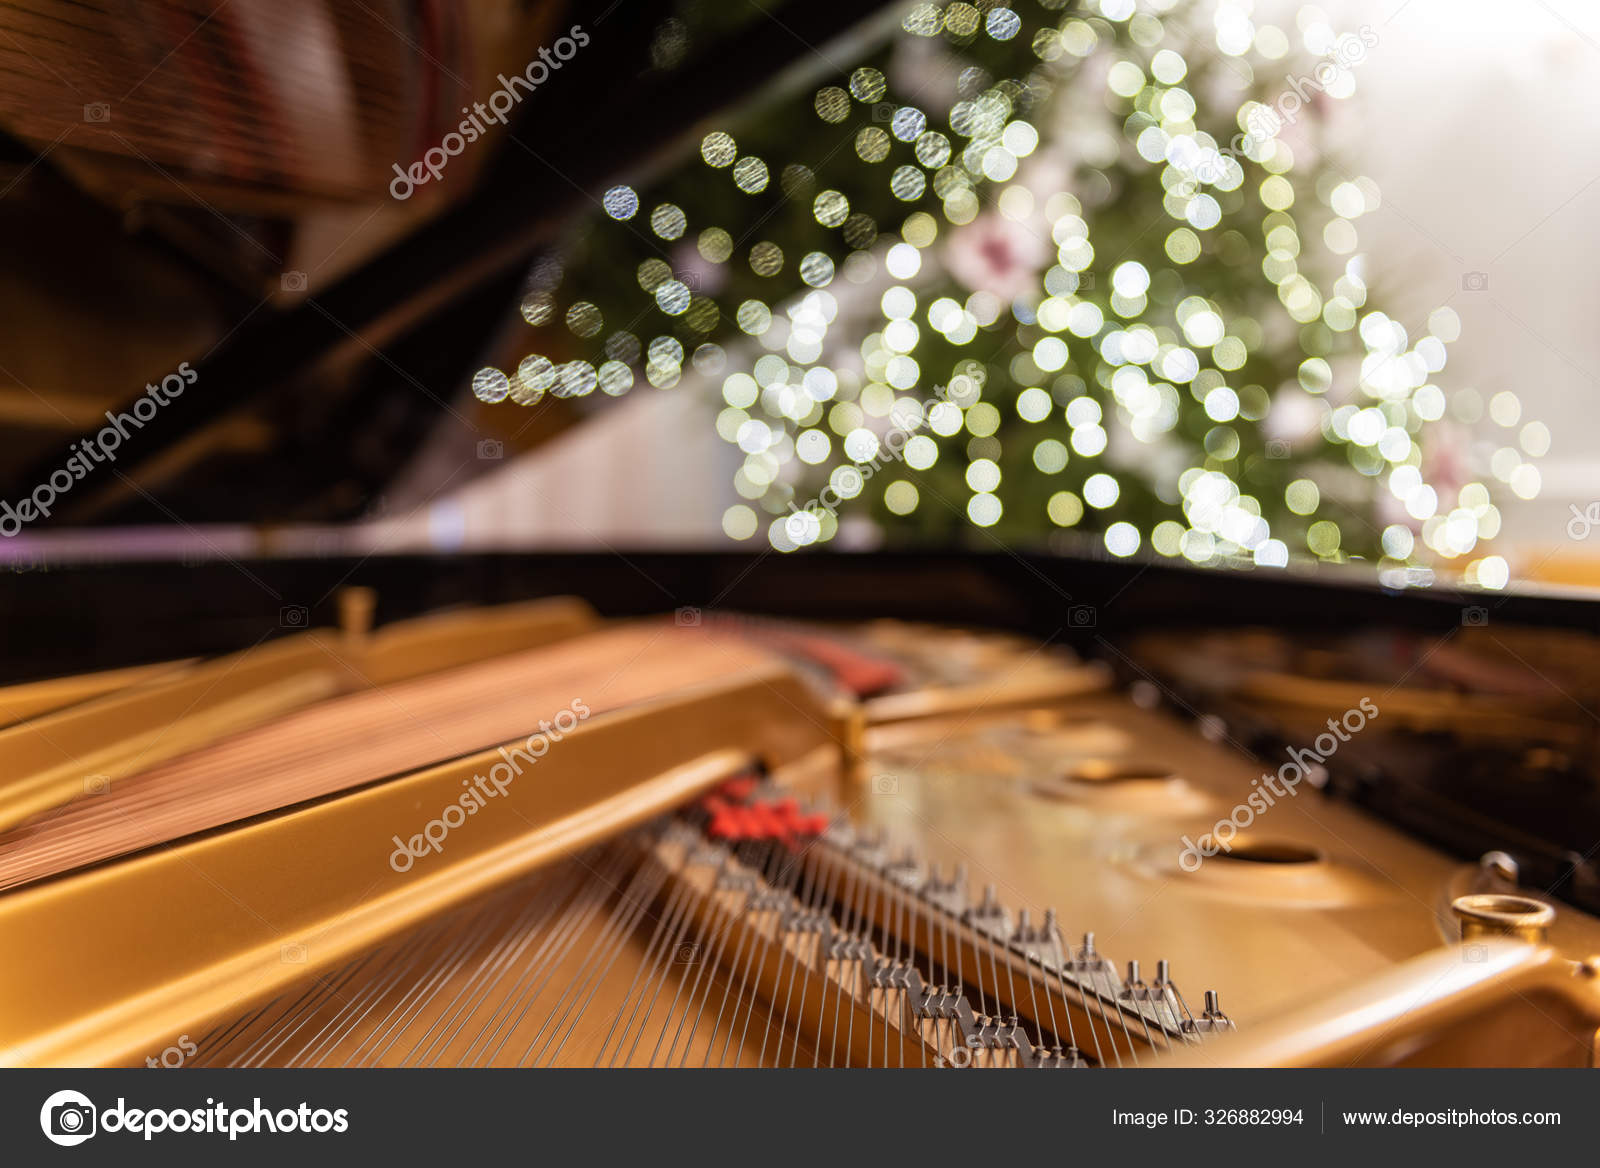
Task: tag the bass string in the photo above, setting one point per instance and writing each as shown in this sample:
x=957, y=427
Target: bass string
x=767, y=865
x=778, y=884
x=1188, y=1015
x=506, y=957
x=220, y=1038
x=416, y=997
x=217, y=1044
x=597, y=885
x=674, y=957
x=1050, y=1004
x=387, y=965
x=494, y=966
x=733, y=873
x=417, y=976
x=664, y=924
x=934, y=984
x=389, y=970
x=448, y=950
x=851, y=918
x=864, y=940
x=1094, y=1035
x=892, y=937
x=844, y=908
x=810, y=884
x=729, y=921
x=746, y=855
x=290, y=1022
x=669, y=955
x=709, y=958
x=987, y=939
x=824, y=909
x=503, y=1020
x=1094, y=1004
x=1109, y=1003
x=560, y=1020
x=1038, y=1018
x=798, y=892
x=1117, y=995
x=639, y=898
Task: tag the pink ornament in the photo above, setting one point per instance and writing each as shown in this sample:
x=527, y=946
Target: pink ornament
x=997, y=255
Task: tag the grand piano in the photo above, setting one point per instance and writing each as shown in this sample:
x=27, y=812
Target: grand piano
x=302, y=771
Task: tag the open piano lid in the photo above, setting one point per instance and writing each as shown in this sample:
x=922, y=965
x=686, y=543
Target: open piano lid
x=253, y=241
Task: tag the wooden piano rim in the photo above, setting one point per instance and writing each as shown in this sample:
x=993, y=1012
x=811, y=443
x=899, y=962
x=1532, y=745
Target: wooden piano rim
x=123, y=955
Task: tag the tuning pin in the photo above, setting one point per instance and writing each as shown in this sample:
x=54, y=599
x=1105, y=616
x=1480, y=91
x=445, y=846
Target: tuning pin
x=1212, y=1019
x=1163, y=973
x=960, y=877
x=1049, y=927
x=1088, y=945
x=1133, y=971
x=1024, y=924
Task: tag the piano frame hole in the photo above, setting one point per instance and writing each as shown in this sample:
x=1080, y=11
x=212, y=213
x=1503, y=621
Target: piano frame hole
x=1249, y=851
x=1102, y=772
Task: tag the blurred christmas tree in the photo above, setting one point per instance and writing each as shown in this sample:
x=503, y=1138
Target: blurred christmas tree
x=1019, y=272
